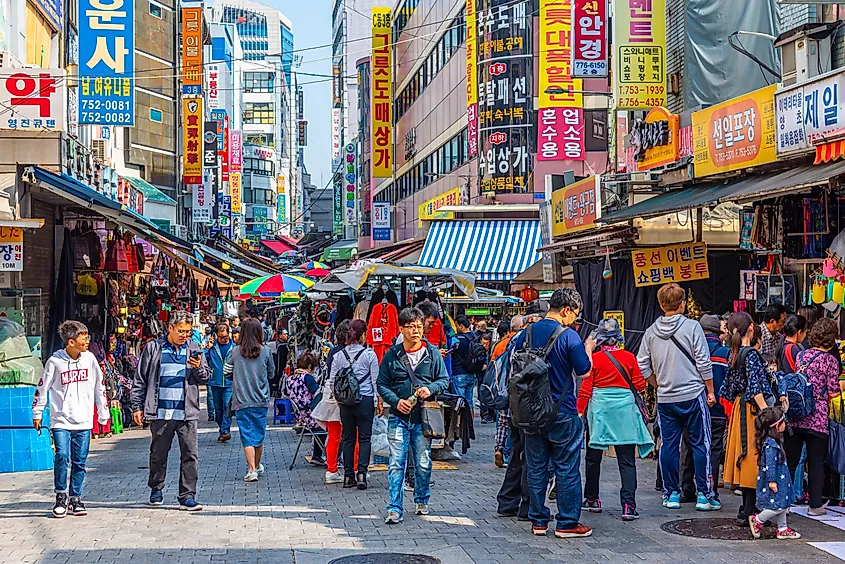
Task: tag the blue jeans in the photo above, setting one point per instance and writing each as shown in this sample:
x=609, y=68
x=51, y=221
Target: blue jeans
x=464, y=385
x=694, y=417
x=209, y=400
x=71, y=448
x=221, y=399
x=560, y=447
x=798, y=478
x=401, y=437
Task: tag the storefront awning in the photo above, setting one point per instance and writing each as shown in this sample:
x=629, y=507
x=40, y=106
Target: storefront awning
x=150, y=192
x=342, y=250
x=277, y=246
x=236, y=265
x=757, y=187
x=494, y=250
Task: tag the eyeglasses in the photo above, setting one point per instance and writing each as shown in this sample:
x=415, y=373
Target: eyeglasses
x=184, y=331
x=417, y=328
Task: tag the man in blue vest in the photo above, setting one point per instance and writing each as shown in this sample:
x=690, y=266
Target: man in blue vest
x=220, y=387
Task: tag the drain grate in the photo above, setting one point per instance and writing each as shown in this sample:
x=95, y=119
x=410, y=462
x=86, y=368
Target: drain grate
x=386, y=558
x=717, y=529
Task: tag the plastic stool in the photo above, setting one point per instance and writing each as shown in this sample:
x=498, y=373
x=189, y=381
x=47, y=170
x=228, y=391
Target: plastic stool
x=282, y=412
x=116, y=420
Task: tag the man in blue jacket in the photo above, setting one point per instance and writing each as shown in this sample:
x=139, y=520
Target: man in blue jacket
x=220, y=387
x=410, y=373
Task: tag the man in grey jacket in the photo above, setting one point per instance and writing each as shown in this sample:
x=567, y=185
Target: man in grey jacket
x=674, y=358
x=165, y=391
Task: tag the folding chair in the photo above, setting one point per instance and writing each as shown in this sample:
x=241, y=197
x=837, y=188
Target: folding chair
x=302, y=432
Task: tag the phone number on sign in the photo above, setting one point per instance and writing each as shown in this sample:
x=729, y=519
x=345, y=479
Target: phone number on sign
x=118, y=105
x=731, y=154
x=637, y=90
x=640, y=102
x=108, y=118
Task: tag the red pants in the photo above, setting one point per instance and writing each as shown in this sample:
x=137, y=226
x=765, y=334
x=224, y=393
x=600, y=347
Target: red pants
x=335, y=430
x=100, y=429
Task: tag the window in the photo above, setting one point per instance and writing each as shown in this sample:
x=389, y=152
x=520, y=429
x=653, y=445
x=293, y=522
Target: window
x=156, y=10
x=260, y=112
x=258, y=81
x=258, y=138
x=259, y=167
x=155, y=115
x=445, y=159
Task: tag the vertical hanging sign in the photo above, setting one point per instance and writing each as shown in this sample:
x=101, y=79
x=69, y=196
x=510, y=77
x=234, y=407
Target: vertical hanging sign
x=235, y=191
x=640, y=38
x=350, y=202
x=381, y=90
x=235, y=151
x=192, y=124
x=472, y=79
x=106, y=62
x=192, y=51
x=589, y=38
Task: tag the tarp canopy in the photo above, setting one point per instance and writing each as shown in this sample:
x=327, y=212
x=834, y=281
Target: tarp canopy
x=359, y=273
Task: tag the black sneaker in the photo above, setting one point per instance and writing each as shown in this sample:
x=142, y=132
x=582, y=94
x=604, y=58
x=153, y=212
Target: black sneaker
x=629, y=513
x=349, y=482
x=60, y=509
x=76, y=508
x=362, y=480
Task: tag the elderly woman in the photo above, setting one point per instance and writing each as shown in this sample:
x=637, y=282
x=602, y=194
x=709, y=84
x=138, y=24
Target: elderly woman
x=609, y=398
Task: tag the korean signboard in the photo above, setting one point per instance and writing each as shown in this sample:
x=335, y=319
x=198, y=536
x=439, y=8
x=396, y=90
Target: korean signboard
x=810, y=114
x=52, y=10
x=281, y=204
x=235, y=191
x=675, y=263
x=337, y=204
x=213, y=95
x=589, y=38
x=224, y=154
x=736, y=134
x=472, y=78
x=106, y=63
x=548, y=261
x=11, y=249
x=560, y=134
x=192, y=137
x=505, y=96
x=203, y=202
x=381, y=220
x=302, y=137
x=640, y=39
x=192, y=51
x=220, y=117
x=225, y=215
x=655, y=139
x=350, y=216
x=36, y=98
x=335, y=133
x=381, y=94
x=260, y=218
x=209, y=160
x=235, y=151
x=428, y=209
x=337, y=86
x=576, y=206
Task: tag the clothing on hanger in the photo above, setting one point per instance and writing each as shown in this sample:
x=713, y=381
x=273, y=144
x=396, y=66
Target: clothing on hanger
x=382, y=328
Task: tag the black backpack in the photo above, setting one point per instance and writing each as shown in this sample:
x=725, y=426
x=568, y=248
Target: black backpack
x=347, y=388
x=493, y=391
x=529, y=389
x=475, y=358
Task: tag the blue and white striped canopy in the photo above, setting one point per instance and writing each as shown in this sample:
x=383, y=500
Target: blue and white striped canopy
x=494, y=250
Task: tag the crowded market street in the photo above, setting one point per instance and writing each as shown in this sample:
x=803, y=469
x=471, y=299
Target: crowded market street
x=292, y=517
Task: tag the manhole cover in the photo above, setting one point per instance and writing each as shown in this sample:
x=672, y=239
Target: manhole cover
x=718, y=529
x=386, y=558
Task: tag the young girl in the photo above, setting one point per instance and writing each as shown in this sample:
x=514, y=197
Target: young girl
x=774, y=484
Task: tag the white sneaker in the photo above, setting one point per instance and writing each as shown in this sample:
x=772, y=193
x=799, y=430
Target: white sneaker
x=251, y=477
x=260, y=470
x=421, y=509
x=334, y=477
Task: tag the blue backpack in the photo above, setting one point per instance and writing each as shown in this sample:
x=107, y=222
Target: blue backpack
x=799, y=392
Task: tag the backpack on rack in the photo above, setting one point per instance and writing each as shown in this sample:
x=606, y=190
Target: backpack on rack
x=529, y=388
x=347, y=388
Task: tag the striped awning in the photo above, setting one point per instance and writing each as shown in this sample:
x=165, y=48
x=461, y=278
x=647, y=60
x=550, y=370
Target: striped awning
x=493, y=250
x=830, y=152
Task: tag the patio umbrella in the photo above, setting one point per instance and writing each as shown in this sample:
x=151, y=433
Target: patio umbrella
x=317, y=272
x=314, y=265
x=289, y=254
x=275, y=285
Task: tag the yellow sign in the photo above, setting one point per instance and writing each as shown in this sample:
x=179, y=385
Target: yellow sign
x=280, y=184
x=576, y=207
x=557, y=87
x=472, y=61
x=428, y=209
x=192, y=132
x=381, y=92
x=736, y=134
x=619, y=316
x=640, y=62
x=662, y=154
x=235, y=191
x=675, y=263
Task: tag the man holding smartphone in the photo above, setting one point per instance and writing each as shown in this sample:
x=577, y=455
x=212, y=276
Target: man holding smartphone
x=165, y=391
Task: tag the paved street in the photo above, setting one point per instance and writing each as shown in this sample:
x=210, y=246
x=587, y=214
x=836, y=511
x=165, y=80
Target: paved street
x=292, y=517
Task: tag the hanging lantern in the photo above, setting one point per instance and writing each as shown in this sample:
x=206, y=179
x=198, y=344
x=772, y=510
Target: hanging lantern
x=607, y=273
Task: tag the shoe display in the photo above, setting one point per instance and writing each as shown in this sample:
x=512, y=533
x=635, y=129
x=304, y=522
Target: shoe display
x=60, y=508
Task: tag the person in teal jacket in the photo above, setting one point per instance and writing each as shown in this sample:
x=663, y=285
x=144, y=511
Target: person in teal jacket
x=219, y=386
x=404, y=426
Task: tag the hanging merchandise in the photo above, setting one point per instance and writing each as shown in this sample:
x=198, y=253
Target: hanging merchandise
x=323, y=313
x=775, y=287
x=383, y=327
x=161, y=278
x=607, y=273
x=230, y=306
x=86, y=285
x=79, y=244
x=819, y=295
x=17, y=365
x=116, y=253
x=131, y=252
x=693, y=309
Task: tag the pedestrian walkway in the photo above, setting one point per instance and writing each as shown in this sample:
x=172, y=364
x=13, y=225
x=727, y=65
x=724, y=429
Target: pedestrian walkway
x=292, y=517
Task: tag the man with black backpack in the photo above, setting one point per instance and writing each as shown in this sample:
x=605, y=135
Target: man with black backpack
x=468, y=360
x=546, y=358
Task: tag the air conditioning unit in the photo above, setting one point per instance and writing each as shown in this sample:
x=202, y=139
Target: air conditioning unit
x=805, y=53
x=179, y=230
x=9, y=61
x=100, y=150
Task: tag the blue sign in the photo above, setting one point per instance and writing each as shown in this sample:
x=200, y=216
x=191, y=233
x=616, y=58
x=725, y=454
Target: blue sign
x=106, y=62
x=52, y=10
x=192, y=90
x=105, y=132
x=220, y=117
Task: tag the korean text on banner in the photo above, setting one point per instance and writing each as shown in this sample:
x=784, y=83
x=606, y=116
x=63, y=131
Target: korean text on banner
x=350, y=201
x=235, y=191
x=11, y=249
x=52, y=10
x=335, y=133
x=37, y=96
x=213, y=95
x=381, y=91
x=589, y=38
x=428, y=209
x=810, y=114
x=561, y=134
x=202, y=200
x=675, y=263
x=337, y=204
x=192, y=125
x=576, y=206
x=192, y=51
x=224, y=154
x=381, y=220
x=640, y=38
x=235, y=151
x=658, y=123
x=736, y=134
x=106, y=63
x=472, y=78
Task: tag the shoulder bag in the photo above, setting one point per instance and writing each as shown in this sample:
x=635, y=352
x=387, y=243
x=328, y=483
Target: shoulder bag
x=638, y=399
x=433, y=424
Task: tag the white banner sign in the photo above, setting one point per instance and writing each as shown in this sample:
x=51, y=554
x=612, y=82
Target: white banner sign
x=381, y=221
x=202, y=200
x=335, y=133
x=33, y=99
x=810, y=114
x=214, y=85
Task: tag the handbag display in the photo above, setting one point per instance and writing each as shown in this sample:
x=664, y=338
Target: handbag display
x=116, y=253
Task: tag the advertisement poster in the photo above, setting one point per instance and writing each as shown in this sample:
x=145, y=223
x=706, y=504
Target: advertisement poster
x=107, y=63
x=337, y=204
x=736, y=134
x=472, y=78
x=657, y=120
x=37, y=96
x=589, y=38
x=213, y=95
x=561, y=134
x=381, y=221
x=202, y=200
x=192, y=137
x=335, y=133
x=576, y=206
x=192, y=70
x=640, y=67
x=674, y=263
x=381, y=91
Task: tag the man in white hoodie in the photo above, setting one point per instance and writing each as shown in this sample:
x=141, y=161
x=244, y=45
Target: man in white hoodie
x=74, y=382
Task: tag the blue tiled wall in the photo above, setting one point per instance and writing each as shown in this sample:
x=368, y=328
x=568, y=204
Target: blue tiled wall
x=21, y=449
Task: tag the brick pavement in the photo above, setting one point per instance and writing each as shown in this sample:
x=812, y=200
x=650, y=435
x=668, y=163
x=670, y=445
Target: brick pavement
x=292, y=517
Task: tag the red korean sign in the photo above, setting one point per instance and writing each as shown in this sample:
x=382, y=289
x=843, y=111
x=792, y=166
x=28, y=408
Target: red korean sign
x=589, y=38
x=224, y=154
x=560, y=135
x=235, y=150
x=36, y=98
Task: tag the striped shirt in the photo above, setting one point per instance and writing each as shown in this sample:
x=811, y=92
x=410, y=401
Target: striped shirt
x=171, y=386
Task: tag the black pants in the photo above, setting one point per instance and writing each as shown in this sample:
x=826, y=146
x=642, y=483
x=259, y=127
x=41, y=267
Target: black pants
x=357, y=420
x=162, y=438
x=513, y=495
x=749, y=503
x=625, y=459
x=816, y=453
x=717, y=451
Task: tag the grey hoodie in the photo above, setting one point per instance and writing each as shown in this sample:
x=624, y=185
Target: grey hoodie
x=678, y=379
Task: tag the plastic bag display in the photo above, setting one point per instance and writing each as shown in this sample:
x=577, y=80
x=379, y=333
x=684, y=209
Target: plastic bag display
x=17, y=365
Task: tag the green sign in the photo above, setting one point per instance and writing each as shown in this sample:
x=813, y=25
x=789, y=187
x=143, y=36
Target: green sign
x=337, y=207
x=339, y=253
x=478, y=311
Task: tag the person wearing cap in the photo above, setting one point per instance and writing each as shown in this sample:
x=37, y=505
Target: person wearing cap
x=608, y=398
x=715, y=333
